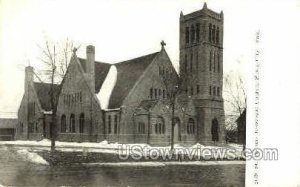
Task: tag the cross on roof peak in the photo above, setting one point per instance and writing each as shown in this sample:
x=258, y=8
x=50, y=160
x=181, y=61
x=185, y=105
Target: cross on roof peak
x=162, y=43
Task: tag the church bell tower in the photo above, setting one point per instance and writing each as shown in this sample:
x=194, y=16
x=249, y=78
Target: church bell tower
x=201, y=70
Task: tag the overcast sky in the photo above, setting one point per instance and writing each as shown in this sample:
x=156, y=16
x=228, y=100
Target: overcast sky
x=119, y=30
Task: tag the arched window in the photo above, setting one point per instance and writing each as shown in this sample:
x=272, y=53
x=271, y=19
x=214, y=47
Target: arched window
x=198, y=89
x=191, y=126
x=116, y=124
x=218, y=91
x=197, y=32
x=63, y=125
x=209, y=90
x=72, y=123
x=217, y=36
x=213, y=34
x=187, y=35
x=214, y=91
x=192, y=90
x=209, y=33
x=81, y=123
x=109, y=124
x=192, y=34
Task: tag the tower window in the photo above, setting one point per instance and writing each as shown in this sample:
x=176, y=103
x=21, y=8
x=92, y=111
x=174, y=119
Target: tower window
x=213, y=33
x=218, y=62
x=155, y=93
x=192, y=34
x=192, y=90
x=209, y=33
x=214, y=62
x=210, y=59
x=187, y=35
x=209, y=90
x=218, y=36
x=164, y=93
x=218, y=91
x=198, y=89
x=197, y=32
x=214, y=91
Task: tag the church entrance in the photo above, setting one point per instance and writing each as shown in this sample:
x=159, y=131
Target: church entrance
x=177, y=130
x=215, y=130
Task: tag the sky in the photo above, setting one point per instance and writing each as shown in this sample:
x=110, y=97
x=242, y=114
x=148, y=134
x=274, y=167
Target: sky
x=119, y=30
x=122, y=30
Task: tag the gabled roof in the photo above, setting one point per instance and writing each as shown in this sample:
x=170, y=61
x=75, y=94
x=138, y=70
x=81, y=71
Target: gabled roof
x=6, y=123
x=101, y=71
x=43, y=91
x=128, y=74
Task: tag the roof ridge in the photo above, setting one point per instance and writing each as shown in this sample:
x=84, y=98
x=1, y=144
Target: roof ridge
x=135, y=58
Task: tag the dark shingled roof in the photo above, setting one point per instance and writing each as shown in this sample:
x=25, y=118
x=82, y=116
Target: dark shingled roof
x=101, y=71
x=43, y=91
x=7, y=123
x=128, y=74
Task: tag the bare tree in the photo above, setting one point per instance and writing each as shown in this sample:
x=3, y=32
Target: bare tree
x=55, y=59
x=175, y=87
x=235, y=100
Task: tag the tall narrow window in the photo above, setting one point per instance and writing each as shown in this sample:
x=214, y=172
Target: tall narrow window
x=192, y=34
x=81, y=123
x=218, y=36
x=191, y=126
x=63, y=125
x=109, y=124
x=141, y=127
x=209, y=33
x=198, y=89
x=191, y=63
x=197, y=63
x=72, y=123
x=210, y=61
x=215, y=61
x=197, y=32
x=213, y=33
x=116, y=124
x=218, y=91
x=192, y=90
x=187, y=35
x=164, y=94
x=218, y=62
x=151, y=93
x=185, y=63
x=209, y=90
x=214, y=91
x=155, y=93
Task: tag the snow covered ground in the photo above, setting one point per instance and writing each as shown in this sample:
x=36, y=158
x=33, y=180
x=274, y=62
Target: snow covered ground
x=28, y=149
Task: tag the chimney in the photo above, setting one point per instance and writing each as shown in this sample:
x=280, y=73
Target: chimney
x=90, y=66
x=28, y=78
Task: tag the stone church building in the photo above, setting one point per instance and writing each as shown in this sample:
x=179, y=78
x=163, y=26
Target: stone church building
x=133, y=101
